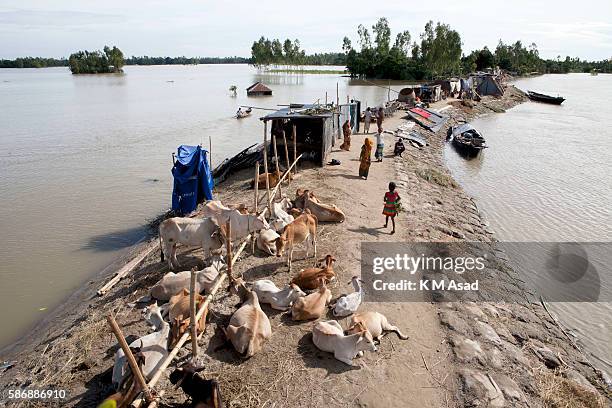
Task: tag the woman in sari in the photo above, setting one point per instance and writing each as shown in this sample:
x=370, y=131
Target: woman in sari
x=346, y=130
x=365, y=158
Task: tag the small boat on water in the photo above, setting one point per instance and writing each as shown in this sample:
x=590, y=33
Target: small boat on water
x=467, y=139
x=243, y=114
x=540, y=97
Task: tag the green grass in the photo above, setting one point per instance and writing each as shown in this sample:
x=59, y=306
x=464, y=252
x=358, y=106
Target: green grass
x=306, y=71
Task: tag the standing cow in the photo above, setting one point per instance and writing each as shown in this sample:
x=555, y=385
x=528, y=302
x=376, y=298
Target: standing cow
x=201, y=232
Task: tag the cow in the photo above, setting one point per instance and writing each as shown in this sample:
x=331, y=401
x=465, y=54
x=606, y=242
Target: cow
x=306, y=199
x=174, y=283
x=249, y=326
x=309, y=278
x=375, y=323
x=304, y=228
x=313, y=305
x=179, y=315
x=202, y=233
x=154, y=347
x=328, y=336
x=261, y=180
x=279, y=299
x=266, y=241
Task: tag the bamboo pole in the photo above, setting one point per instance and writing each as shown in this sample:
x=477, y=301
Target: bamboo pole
x=277, y=164
x=130, y=358
x=286, y=173
x=286, y=155
x=295, y=149
x=326, y=98
x=127, y=268
x=194, y=324
x=337, y=95
x=266, y=164
x=256, y=203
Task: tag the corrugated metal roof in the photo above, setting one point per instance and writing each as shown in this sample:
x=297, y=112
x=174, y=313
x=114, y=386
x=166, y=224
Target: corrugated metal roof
x=291, y=113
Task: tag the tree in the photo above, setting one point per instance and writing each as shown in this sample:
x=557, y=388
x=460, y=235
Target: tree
x=115, y=58
x=382, y=36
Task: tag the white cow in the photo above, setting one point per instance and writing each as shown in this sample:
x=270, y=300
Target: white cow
x=249, y=326
x=279, y=218
x=241, y=224
x=278, y=299
x=202, y=233
x=173, y=283
x=266, y=241
x=153, y=346
x=328, y=336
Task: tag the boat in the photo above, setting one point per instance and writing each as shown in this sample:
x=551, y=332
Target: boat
x=243, y=114
x=467, y=139
x=539, y=97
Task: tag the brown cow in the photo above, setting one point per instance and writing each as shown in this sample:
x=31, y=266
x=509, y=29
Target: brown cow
x=313, y=305
x=179, y=312
x=300, y=230
x=261, y=181
x=309, y=278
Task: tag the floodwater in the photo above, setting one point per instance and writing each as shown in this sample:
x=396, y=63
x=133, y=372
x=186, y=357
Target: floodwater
x=546, y=177
x=85, y=162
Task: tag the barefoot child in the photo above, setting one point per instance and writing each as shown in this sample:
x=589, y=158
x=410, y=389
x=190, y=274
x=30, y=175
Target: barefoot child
x=391, y=200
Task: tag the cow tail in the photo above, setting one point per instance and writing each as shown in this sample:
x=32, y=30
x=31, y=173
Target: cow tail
x=161, y=246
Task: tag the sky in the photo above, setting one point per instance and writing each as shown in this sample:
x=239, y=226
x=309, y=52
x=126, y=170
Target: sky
x=56, y=28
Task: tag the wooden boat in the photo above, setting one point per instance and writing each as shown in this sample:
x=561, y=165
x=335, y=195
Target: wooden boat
x=539, y=97
x=244, y=114
x=467, y=139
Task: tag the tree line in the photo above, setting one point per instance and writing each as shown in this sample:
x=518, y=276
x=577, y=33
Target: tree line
x=97, y=62
x=146, y=60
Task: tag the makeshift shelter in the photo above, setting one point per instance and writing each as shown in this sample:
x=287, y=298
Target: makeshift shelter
x=193, y=181
x=350, y=111
x=258, y=89
x=314, y=127
x=431, y=93
x=486, y=84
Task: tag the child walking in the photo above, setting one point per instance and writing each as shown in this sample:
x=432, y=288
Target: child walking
x=390, y=209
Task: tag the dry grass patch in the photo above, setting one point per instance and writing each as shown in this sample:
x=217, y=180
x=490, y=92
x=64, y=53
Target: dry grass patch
x=559, y=392
x=434, y=176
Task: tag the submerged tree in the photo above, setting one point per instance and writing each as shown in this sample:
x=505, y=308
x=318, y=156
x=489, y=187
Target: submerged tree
x=96, y=62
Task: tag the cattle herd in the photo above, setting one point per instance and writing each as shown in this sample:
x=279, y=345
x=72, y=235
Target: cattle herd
x=279, y=230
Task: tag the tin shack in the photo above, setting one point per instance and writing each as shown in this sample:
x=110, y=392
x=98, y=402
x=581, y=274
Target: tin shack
x=312, y=126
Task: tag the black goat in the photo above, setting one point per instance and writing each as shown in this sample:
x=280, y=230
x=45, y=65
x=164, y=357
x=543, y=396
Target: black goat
x=203, y=393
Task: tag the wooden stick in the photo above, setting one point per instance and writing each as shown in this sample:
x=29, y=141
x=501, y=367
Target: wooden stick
x=130, y=358
x=228, y=247
x=295, y=148
x=127, y=268
x=337, y=95
x=277, y=164
x=194, y=324
x=256, y=204
x=266, y=164
x=286, y=173
x=286, y=156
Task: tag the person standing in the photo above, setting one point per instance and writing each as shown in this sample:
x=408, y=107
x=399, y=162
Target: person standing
x=380, y=145
x=367, y=121
x=365, y=158
x=346, y=130
x=391, y=200
x=380, y=116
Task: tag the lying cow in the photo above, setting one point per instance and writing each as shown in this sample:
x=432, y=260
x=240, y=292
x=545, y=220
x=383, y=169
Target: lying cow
x=179, y=314
x=279, y=218
x=323, y=212
x=279, y=299
x=313, y=305
x=249, y=327
x=304, y=228
x=328, y=336
x=202, y=233
x=375, y=323
x=203, y=393
x=174, y=283
x=154, y=347
x=273, y=179
x=266, y=241
x=309, y=278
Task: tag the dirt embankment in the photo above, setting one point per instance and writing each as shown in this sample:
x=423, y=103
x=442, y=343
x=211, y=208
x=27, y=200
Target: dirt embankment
x=458, y=354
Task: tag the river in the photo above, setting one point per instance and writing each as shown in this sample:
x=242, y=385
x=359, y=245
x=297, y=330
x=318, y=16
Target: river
x=546, y=177
x=85, y=162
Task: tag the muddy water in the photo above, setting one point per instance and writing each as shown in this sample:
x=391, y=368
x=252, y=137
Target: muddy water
x=546, y=177
x=85, y=161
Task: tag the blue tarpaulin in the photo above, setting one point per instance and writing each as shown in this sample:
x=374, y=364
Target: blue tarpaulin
x=193, y=182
